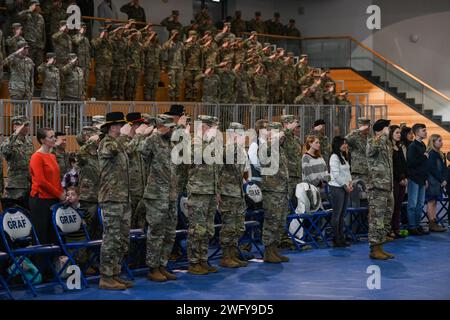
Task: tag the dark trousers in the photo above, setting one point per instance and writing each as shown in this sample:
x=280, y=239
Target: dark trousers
x=339, y=201
x=399, y=196
x=41, y=218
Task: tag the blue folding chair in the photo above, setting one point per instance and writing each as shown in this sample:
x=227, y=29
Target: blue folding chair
x=441, y=213
x=253, y=231
x=4, y=259
x=357, y=222
x=134, y=234
x=21, y=243
x=68, y=221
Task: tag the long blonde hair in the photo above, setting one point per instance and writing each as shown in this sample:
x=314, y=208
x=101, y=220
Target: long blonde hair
x=431, y=144
x=308, y=142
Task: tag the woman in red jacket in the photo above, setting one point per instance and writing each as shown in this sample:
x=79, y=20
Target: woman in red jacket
x=46, y=187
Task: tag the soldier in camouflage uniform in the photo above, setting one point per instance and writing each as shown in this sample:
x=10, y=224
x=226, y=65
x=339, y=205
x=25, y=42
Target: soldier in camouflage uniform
x=193, y=66
x=202, y=194
x=34, y=31
x=82, y=48
x=288, y=84
x=210, y=51
x=119, y=70
x=238, y=26
x=227, y=83
x=62, y=157
x=357, y=142
x=52, y=17
x=17, y=150
x=21, y=77
x=293, y=150
x=225, y=35
x=152, y=65
x=211, y=86
x=103, y=64
x=257, y=24
x=232, y=203
x=73, y=79
x=15, y=38
x=381, y=199
x=202, y=18
x=319, y=132
x=176, y=62
x=172, y=23
x=259, y=86
x=114, y=199
x=275, y=189
x=160, y=198
x=274, y=66
x=274, y=26
x=344, y=115
x=242, y=90
x=89, y=176
x=134, y=65
x=50, y=91
x=329, y=98
x=252, y=41
x=303, y=72
x=240, y=53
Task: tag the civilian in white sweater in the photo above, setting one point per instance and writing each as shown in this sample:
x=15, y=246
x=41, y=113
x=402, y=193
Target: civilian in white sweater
x=340, y=187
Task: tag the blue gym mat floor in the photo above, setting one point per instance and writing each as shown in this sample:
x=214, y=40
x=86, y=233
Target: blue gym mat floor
x=421, y=270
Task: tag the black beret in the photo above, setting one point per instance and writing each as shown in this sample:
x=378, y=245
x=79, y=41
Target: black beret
x=380, y=124
x=319, y=122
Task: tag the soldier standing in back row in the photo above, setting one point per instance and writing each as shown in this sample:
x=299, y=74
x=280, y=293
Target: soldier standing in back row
x=114, y=199
x=15, y=38
x=119, y=70
x=17, y=150
x=103, y=64
x=175, y=64
x=257, y=24
x=211, y=86
x=172, y=22
x=50, y=91
x=134, y=65
x=238, y=26
x=381, y=199
x=152, y=66
x=82, y=48
x=193, y=66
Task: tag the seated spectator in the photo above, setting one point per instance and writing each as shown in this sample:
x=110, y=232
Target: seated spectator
x=70, y=178
x=437, y=180
x=340, y=188
x=314, y=168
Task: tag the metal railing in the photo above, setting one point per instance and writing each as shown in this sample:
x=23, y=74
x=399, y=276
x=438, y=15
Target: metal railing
x=71, y=116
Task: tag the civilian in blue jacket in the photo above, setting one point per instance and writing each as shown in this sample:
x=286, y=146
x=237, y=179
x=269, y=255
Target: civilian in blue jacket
x=437, y=180
x=416, y=160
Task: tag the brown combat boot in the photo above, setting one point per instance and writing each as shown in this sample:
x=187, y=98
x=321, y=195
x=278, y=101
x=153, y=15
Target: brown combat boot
x=108, y=283
x=126, y=283
x=227, y=260
x=434, y=227
x=376, y=253
x=156, y=275
x=206, y=266
x=235, y=256
x=280, y=256
x=167, y=274
x=387, y=254
x=270, y=255
x=197, y=269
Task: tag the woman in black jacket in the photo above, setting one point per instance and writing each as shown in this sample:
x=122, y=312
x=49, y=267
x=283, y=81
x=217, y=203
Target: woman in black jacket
x=400, y=178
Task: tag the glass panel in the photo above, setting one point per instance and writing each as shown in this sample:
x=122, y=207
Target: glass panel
x=438, y=104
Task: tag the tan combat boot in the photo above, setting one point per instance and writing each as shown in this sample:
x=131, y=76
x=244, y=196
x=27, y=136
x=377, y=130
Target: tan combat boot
x=387, y=254
x=167, y=274
x=270, y=255
x=197, y=269
x=156, y=275
x=108, y=283
x=235, y=256
x=126, y=283
x=280, y=256
x=209, y=268
x=376, y=253
x=227, y=260
x=434, y=227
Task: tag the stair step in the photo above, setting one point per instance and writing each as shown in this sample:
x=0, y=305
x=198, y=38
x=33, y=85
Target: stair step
x=419, y=107
x=376, y=79
x=410, y=101
x=401, y=95
x=384, y=84
x=393, y=90
x=437, y=119
x=366, y=73
x=428, y=113
x=446, y=125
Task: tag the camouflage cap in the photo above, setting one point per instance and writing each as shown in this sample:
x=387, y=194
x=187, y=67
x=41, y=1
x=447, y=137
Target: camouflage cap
x=227, y=23
x=22, y=44
x=364, y=121
x=288, y=118
x=98, y=119
x=329, y=83
x=16, y=25
x=304, y=55
x=83, y=24
x=19, y=120
x=149, y=119
x=165, y=120
x=343, y=92
x=175, y=12
x=50, y=55
x=209, y=120
x=236, y=125
x=62, y=23
x=290, y=54
x=35, y=2
x=73, y=56
x=192, y=33
x=90, y=131
x=275, y=125
x=253, y=33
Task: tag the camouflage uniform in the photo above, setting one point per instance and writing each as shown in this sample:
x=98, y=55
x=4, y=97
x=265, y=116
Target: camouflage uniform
x=34, y=34
x=211, y=88
x=172, y=25
x=176, y=62
x=62, y=44
x=17, y=151
x=52, y=19
x=210, y=55
x=242, y=87
x=103, y=65
x=275, y=190
x=21, y=77
x=74, y=91
x=301, y=75
x=12, y=42
x=119, y=70
x=152, y=67
x=202, y=191
x=82, y=48
x=288, y=84
x=2, y=54
x=134, y=68
x=89, y=178
x=114, y=199
x=50, y=90
x=160, y=197
x=274, y=74
x=257, y=25
x=357, y=143
x=238, y=26
x=293, y=150
x=260, y=87
x=227, y=86
x=192, y=69
x=381, y=199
